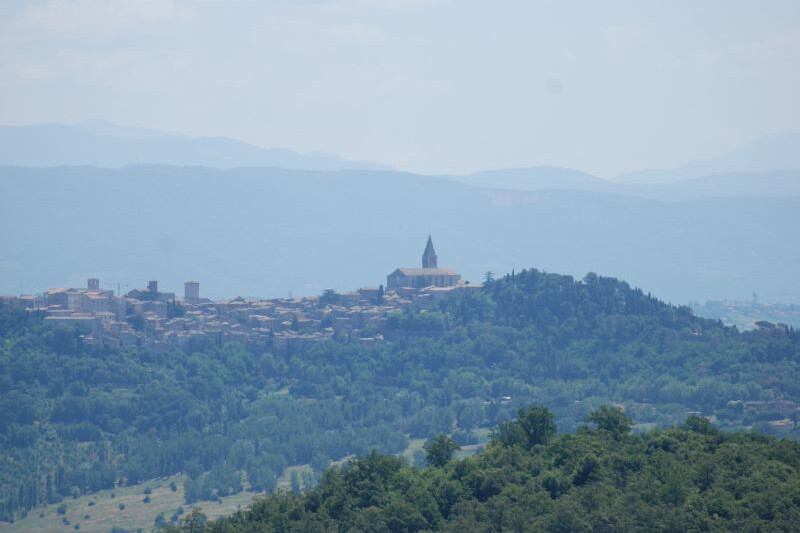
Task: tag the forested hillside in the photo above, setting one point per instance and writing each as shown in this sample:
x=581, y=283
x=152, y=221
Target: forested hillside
x=75, y=419
x=688, y=478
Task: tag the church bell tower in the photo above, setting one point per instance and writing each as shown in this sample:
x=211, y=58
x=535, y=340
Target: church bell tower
x=429, y=255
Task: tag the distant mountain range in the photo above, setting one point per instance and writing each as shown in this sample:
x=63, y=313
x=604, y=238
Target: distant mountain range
x=534, y=179
x=710, y=230
x=102, y=144
x=265, y=232
x=779, y=151
x=777, y=183
x=767, y=167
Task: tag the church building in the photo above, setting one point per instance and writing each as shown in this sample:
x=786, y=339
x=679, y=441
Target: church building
x=430, y=275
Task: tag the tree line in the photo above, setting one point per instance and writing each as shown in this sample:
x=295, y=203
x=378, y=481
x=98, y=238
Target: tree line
x=693, y=477
x=75, y=419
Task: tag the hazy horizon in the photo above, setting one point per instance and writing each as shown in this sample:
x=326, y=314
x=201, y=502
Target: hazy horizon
x=433, y=87
x=399, y=265
x=422, y=86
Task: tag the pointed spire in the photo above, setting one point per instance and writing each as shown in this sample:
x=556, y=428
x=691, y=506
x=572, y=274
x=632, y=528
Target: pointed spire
x=429, y=247
x=429, y=259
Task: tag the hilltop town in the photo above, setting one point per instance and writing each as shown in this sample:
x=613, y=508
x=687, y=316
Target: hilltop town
x=148, y=317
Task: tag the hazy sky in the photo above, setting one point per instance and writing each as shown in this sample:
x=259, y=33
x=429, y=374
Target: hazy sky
x=423, y=85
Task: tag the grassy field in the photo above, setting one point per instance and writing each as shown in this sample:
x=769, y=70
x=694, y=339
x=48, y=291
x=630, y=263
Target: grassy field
x=104, y=511
x=124, y=507
x=413, y=446
x=465, y=451
x=285, y=481
x=483, y=435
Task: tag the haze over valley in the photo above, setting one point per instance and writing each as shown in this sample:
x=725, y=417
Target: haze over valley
x=262, y=231
x=406, y=266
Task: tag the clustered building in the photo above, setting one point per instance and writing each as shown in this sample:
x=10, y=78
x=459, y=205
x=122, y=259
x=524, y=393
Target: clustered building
x=158, y=320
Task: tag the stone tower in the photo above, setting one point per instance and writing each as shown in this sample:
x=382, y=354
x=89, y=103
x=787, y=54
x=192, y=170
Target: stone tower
x=191, y=291
x=429, y=255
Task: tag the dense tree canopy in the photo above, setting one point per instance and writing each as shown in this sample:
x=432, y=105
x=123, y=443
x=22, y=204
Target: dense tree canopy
x=688, y=478
x=74, y=419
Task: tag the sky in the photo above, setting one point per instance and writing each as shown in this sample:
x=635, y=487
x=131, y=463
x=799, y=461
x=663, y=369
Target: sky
x=432, y=86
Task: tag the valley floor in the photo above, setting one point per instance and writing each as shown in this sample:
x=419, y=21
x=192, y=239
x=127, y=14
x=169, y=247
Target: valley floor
x=104, y=513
